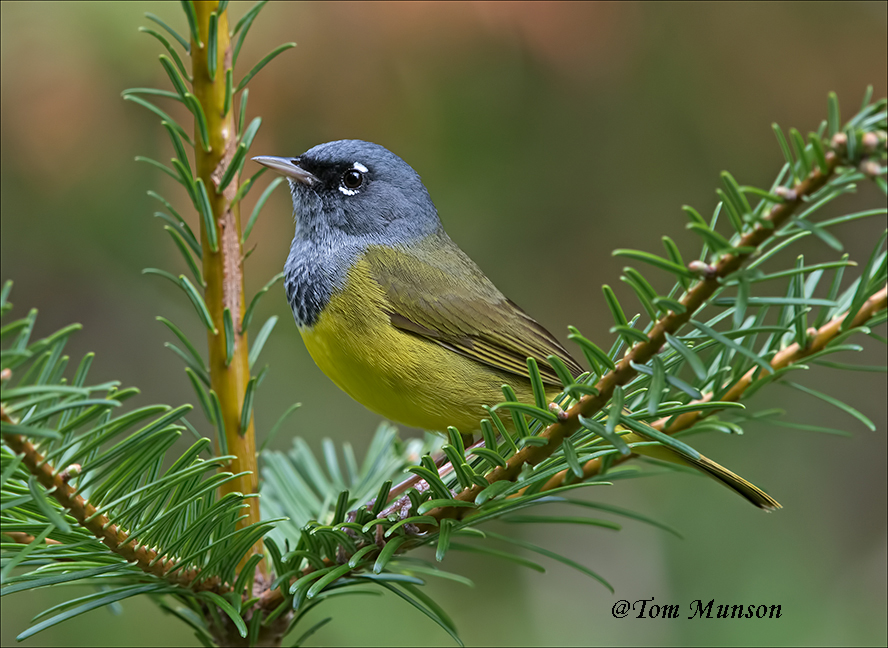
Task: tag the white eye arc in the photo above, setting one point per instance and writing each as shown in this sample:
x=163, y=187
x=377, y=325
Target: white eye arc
x=352, y=179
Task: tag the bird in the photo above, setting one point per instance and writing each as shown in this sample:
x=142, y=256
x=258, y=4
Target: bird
x=399, y=317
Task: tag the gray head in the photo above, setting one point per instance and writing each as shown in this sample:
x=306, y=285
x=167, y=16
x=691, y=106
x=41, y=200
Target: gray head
x=347, y=195
x=356, y=189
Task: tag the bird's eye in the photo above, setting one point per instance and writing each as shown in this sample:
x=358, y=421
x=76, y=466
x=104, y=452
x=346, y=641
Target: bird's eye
x=352, y=179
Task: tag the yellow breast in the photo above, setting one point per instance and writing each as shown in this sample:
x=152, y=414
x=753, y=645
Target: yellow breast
x=401, y=376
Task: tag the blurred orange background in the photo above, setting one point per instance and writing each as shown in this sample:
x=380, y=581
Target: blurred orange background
x=548, y=134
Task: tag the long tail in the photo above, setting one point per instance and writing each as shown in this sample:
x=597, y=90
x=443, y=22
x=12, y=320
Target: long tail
x=736, y=483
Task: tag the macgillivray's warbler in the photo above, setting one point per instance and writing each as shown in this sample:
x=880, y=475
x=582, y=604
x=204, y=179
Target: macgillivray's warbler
x=398, y=316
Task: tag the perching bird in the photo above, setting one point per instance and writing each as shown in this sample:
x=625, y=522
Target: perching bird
x=397, y=315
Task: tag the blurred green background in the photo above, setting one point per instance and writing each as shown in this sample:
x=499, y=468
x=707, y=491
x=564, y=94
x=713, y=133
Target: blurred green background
x=548, y=134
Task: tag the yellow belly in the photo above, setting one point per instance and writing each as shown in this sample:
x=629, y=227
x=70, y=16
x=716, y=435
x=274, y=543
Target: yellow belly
x=401, y=376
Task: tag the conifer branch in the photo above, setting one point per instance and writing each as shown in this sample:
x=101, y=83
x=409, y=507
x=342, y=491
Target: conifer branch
x=229, y=365
x=642, y=352
x=27, y=538
x=100, y=526
x=698, y=296
x=792, y=354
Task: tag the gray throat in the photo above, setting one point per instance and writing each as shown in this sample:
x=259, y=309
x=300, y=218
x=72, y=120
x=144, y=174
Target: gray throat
x=319, y=261
x=313, y=272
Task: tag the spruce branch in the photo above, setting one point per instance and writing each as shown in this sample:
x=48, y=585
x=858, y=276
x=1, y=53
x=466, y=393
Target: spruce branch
x=792, y=354
x=99, y=525
x=221, y=248
x=346, y=562
x=161, y=527
x=696, y=297
x=431, y=510
x=26, y=538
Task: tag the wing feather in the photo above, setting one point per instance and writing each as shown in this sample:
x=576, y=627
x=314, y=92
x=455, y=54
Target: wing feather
x=436, y=292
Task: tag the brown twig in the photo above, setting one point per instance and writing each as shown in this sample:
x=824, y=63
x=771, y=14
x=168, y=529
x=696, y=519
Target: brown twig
x=26, y=538
x=100, y=526
x=788, y=356
x=623, y=373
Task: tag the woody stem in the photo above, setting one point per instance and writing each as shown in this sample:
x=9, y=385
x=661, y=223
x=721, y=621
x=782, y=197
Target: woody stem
x=222, y=256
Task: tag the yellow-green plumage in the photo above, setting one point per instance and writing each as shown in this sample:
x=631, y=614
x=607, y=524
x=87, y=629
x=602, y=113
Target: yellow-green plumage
x=407, y=357
x=399, y=317
x=420, y=378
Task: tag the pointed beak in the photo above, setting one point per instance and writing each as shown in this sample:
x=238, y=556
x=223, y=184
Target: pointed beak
x=288, y=167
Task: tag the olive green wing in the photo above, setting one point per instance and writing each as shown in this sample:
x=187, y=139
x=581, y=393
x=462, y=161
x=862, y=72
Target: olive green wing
x=436, y=292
